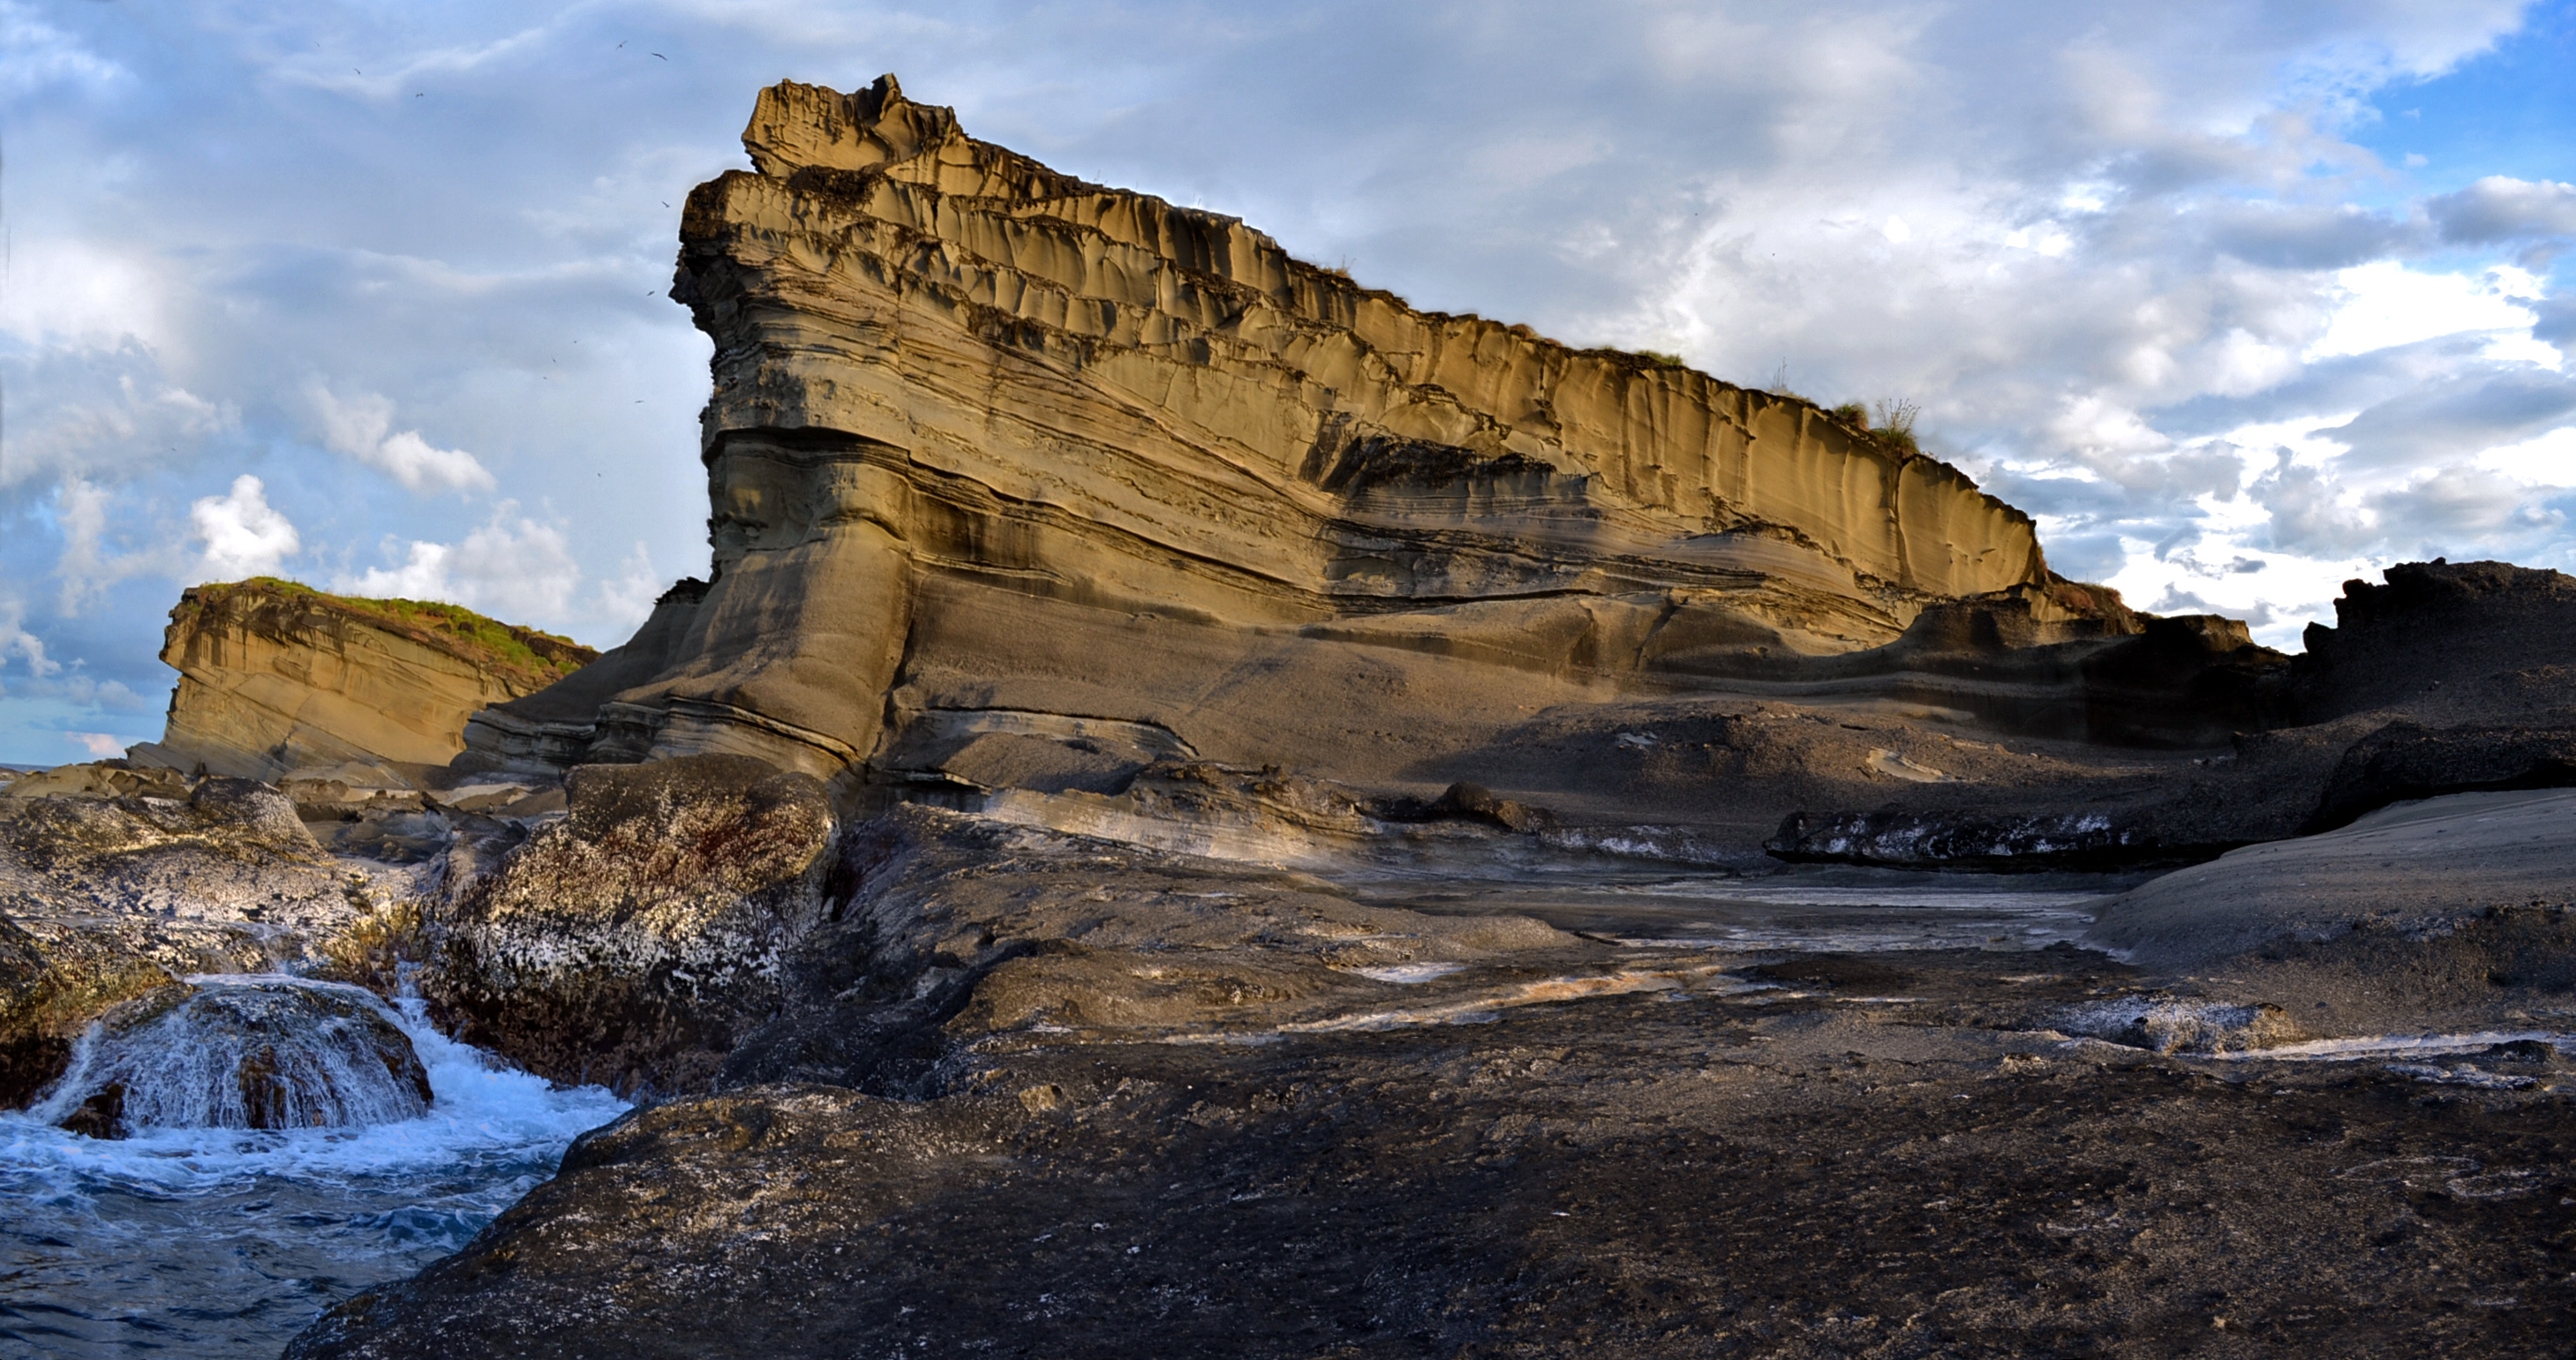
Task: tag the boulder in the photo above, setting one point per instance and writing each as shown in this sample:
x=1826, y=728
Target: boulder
x=2404, y=761
x=630, y=942
x=241, y=1055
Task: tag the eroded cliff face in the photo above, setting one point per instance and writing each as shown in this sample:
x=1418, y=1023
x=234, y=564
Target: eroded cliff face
x=276, y=677
x=989, y=440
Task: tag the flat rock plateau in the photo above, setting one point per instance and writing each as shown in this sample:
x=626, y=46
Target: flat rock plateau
x=1202, y=810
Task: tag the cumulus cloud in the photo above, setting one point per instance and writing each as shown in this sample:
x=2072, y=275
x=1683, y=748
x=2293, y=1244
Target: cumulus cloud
x=99, y=744
x=514, y=567
x=361, y=427
x=89, y=565
x=2501, y=208
x=243, y=535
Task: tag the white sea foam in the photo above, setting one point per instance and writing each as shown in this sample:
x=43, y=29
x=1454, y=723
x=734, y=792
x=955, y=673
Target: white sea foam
x=480, y=1111
x=275, y=1225
x=1407, y=973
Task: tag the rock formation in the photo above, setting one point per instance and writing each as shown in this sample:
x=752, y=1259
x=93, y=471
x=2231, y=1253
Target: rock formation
x=1201, y=803
x=632, y=942
x=276, y=677
x=995, y=451
x=109, y=893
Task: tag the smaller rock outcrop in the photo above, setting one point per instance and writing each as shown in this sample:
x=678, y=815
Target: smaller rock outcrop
x=116, y=881
x=2441, y=636
x=629, y=942
x=255, y=1054
x=2415, y=907
x=2405, y=760
x=276, y=677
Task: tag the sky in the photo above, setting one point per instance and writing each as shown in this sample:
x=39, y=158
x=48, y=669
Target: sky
x=2240, y=300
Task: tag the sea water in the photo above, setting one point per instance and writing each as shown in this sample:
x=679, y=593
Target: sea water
x=220, y=1242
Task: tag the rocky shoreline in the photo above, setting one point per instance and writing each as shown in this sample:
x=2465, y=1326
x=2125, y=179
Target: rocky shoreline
x=1202, y=810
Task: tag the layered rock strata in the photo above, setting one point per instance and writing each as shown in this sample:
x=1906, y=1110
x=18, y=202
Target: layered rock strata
x=1000, y=452
x=275, y=677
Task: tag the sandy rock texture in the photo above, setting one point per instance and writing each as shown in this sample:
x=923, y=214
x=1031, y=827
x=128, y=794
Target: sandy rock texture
x=2420, y=909
x=1026, y=493
x=275, y=677
x=993, y=451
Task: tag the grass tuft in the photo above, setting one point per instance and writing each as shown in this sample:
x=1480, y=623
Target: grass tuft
x=537, y=657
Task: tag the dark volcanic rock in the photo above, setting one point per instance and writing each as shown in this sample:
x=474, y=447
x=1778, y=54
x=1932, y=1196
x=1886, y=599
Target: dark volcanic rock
x=2406, y=760
x=955, y=928
x=113, y=881
x=634, y=941
x=1469, y=802
x=51, y=988
x=2472, y=627
x=1967, y=840
x=244, y=1056
x=1636, y=1178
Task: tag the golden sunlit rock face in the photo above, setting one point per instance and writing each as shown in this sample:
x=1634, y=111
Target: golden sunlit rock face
x=275, y=677
x=988, y=438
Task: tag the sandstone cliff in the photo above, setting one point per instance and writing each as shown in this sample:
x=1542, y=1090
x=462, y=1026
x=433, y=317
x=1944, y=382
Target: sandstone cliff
x=1005, y=452
x=275, y=676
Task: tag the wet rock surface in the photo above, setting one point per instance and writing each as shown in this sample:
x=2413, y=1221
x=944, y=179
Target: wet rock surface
x=117, y=880
x=1797, y=1172
x=1037, y=1093
x=630, y=942
x=240, y=1055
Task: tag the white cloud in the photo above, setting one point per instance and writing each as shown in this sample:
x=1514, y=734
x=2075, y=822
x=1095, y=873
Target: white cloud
x=35, y=55
x=88, y=565
x=515, y=568
x=2501, y=208
x=2128, y=232
x=361, y=427
x=88, y=293
x=242, y=534
x=627, y=598
x=16, y=641
x=2384, y=303
x=2547, y=460
x=92, y=412
x=99, y=744
x=401, y=74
